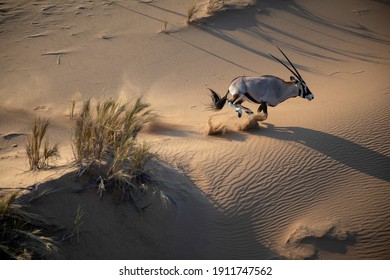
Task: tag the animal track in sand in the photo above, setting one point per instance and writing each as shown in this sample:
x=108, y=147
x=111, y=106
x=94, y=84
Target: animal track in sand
x=346, y=72
x=307, y=241
x=41, y=108
x=11, y=136
x=37, y=35
x=361, y=12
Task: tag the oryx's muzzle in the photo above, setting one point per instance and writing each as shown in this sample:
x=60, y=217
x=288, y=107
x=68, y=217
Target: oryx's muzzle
x=309, y=97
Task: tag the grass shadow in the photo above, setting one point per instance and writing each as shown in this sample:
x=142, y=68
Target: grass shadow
x=177, y=222
x=257, y=25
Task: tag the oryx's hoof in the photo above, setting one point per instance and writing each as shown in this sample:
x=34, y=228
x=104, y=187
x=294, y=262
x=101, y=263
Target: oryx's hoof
x=239, y=113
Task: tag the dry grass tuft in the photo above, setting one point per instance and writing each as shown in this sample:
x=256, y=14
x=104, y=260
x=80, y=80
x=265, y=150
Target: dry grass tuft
x=38, y=148
x=214, y=6
x=78, y=222
x=192, y=10
x=164, y=29
x=105, y=142
x=21, y=233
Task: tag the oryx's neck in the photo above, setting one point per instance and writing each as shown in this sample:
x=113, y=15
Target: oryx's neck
x=290, y=90
x=293, y=90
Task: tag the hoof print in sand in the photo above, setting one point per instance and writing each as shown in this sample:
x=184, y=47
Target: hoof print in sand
x=41, y=108
x=309, y=242
x=11, y=136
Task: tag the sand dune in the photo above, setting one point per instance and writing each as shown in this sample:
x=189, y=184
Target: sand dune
x=311, y=181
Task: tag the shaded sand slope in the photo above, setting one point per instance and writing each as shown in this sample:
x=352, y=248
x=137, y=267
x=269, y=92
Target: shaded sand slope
x=174, y=220
x=310, y=182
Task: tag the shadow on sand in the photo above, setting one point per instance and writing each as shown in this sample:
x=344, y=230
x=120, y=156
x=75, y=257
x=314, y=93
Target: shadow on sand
x=344, y=151
x=177, y=222
x=257, y=25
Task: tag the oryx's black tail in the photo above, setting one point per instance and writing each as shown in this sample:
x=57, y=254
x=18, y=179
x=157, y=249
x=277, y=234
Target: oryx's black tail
x=217, y=102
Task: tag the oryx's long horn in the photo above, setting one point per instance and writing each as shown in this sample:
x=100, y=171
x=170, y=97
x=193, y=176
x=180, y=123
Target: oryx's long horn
x=281, y=62
x=297, y=73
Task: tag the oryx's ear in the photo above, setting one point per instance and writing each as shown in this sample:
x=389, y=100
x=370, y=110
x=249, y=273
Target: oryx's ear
x=293, y=79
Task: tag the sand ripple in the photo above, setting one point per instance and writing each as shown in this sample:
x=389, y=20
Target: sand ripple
x=294, y=192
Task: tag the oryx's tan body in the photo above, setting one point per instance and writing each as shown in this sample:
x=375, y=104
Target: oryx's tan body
x=269, y=89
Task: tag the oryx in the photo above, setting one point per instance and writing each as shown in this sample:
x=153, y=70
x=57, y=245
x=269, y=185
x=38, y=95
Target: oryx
x=264, y=90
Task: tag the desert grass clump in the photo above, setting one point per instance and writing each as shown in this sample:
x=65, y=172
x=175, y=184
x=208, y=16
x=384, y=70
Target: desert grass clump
x=215, y=5
x=38, y=148
x=21, y=232
x=164, y=29
x=94, y=131
x=127, y=169
x=105, y=142
x=78, y=222
x=192, y=10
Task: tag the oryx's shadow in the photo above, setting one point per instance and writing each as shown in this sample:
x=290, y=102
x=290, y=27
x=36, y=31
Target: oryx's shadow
x=344, y=151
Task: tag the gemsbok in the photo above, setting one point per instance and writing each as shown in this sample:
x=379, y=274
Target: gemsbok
x=265, y=90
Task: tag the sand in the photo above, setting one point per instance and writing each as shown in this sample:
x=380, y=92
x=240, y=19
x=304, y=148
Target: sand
x=311, y=181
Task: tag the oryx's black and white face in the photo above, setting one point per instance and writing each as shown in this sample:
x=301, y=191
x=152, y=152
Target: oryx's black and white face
x=304, y=91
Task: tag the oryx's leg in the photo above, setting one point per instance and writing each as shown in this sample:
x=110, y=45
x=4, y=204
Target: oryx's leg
x=235, y=103
x=238, y=110
x=238, y=104
x=231, y=103
x=263, y=107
